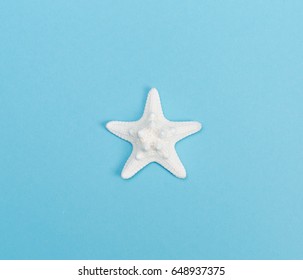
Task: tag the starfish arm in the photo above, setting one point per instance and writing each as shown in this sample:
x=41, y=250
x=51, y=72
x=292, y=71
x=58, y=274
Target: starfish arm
x=153, y=104
x=184, y=129
x=133, y=165
x=173, y=164
x=121, y=129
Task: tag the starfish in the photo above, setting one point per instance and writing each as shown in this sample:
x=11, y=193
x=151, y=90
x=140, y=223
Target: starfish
x=153, y=138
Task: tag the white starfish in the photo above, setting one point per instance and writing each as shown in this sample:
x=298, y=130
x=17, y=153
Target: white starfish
x=153, y=138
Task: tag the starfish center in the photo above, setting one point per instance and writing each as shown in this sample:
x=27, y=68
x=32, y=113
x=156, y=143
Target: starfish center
x=151, y=138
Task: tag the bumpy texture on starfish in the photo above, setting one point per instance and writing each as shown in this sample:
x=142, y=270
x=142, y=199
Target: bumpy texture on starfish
x=153, y=138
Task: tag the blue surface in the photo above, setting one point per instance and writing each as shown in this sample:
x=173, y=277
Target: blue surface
x=68, y=67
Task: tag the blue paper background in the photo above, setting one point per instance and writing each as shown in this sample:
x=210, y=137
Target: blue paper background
x=68, y=67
